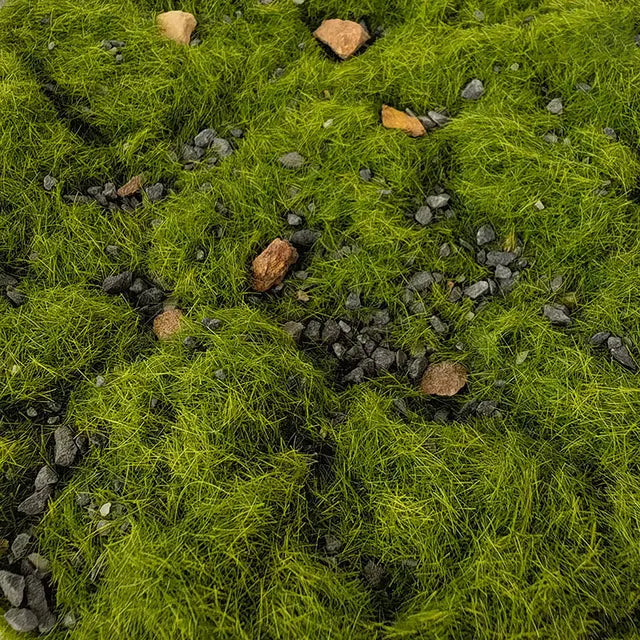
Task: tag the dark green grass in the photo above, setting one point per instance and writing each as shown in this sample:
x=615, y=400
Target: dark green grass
x=520, y=526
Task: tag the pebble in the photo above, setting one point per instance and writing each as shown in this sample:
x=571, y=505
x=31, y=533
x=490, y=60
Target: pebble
x=49, y=183
x=177, y=25
x=599, y=338
x=444, y=379
x=557, y=314
x=355, y=376
x=381, y=317
x=21, y=620
x=222, y=148
x=438, y=325
x=36, y=503
x=294, y=329
x=555, y=107
x=20, y=545
x=353, y=301
x=539, y=205
x=105, y=509
x=417, y=367
x=384, y=359
x=610, y=133
x=439, y=118
x=366, y=174
x=294, y=220
x=65, y=447
x=445, y=250
x=212, y=324
x=12, y=586
x=45, y=477
x=473, y=90
x=205, y=138
x=305, y=238
x=338, y=350
x=502, y=272
x=438, y=201
x=424, y=216
x=120, y=283
x=155, y=191
x=40, y=564
x=421, y=281
x=292, y=160
x=504, y=258
x=344, y=37
x=622, y=356
x=485, y=235
x=556, y=283
x=16, y=297
x=312, y=331
x=344, y=327
x=330, y=331
x=550, y=137
x=476, y=290
x=191, y=153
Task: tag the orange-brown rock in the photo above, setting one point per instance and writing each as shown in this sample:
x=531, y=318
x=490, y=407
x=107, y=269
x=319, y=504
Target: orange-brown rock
x=344, y=37
x=444, y=379
x=394, y=119
x=271, y=266
x=177, y=25
x=167, y=324
x=131, y=188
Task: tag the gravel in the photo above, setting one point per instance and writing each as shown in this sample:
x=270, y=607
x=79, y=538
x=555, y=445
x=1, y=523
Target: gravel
x=424, y=216
x=438, y=325
x=504, y=258
x=45, y=477
x=614, y=342
x=65, y=447
x=120, y=283
x=36, y=503
x=292, y=160
x=190, y=153
x=222, y=148
x=353, y=301
x=438, y=201
x=366, y=174
x=439, y=118
x=205, y=138
x=622, y=356
x=20, y=546
x=476, y=290
x=610, y=133
x=16, y=297
x=502, y=272
x=473, y=90
x=599, y=338
x=294, y=329
x=330, y=331
x=485, y=235
x=49, y=183
x=305, y=238
x=421, y=281
x=555, y=107
x=21, y=620
x=155, y=191
x=12, y=586
x=384, y=359
x=294, y=220
x=557, y=314
x=312, y=331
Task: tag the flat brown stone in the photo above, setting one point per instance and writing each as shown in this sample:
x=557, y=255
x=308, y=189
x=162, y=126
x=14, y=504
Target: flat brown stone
x=177, y=25
x=444, y=379
x=167, y=324
x=271, y=266
x=131, y=188
x=344, y=37
x=395, y=119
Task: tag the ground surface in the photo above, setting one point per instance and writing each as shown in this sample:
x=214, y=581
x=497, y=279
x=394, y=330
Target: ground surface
x=271, y=501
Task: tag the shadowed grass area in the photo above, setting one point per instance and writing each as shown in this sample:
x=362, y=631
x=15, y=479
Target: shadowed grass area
x=252, y=496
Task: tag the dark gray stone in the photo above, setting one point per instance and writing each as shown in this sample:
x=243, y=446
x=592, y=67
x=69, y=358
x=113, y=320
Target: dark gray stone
x=380, y=318
x=355, y=353
x=212, y=324
x=384, y=359
x=355, y=376
x=416, y=367
x=614, y=342
x=65, y=447
x=353, y=301
x=36, y=597
x=505, y=258
x=20, y=546
x=477, y=290
x=557, y=314
x=191, y=153
x=424, y=216
x=368, y=366
x=312, y=331
x=445, y=250
x=486, y=408
x=294, y=329
x=150, y=296
x=114, y=285
x=455, y=295
x=45, y=477
x=421, y=281
x=222, y=148
x=473, y=90
x=36, y=503
x=428, y=123
x=49, y=183
x=622, y=356
x=599, y=338
x=12, y=586
x=485, y=235
x=502, y=272
x=16, y=297
x=338, y=350
x=366, y=174
x=205, y=138
x=155, y=191
x=21, y=620
x=305, y=238
x=330, y=331
x=438, y=325
x=493, y=287
x=439, y=201
x=110, y=191
x=292, y=160
x=439, y=118
x=401, y=359
x=375, y=575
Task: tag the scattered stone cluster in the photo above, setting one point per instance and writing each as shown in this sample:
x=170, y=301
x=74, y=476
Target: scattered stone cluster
x=207, y=147
x=114, y=47
x=146, y=297
x=618, y=350
x=9, y=289
x=412, y=124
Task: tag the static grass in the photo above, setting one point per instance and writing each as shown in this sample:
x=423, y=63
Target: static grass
x=522, y=525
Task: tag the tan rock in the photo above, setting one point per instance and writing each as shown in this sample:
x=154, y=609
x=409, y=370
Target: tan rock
x=271, y=266
x=131, y=188
x=394, y=119
x=168, y=323
x=444, y=379
x=344, y=37
x=177, y=25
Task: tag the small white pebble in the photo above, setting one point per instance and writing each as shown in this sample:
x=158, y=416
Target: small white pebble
x=327, y=123
x=105, y=509
x=539, y=205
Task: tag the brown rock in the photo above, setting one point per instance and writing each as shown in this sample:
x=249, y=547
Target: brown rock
x=271, y=266
x=394, y=119
x=344, y=37
x=131, y=188
x=167, y=324
x=444, y=379
x=177, y=25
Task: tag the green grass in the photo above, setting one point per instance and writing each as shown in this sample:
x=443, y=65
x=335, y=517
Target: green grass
x=521, y=526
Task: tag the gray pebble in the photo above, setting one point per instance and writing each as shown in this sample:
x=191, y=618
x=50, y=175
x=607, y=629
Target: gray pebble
x=155, y=191
x=622, y=356
x=312, y=331
x=477, y=290
x=205, y=138
x=610, y=133
x=478, y=15
x=550, y=137
x=401, y=359
x=221, y=147
x=424, y=216
x=40, y=564
x=65, y=447
x=16, y=297
x=438, y=325
x=555, y=107
x=438, y=201
x=353, y=301
x=504, y=258
x=599, y=338
x=439, y=118
x=344, y=327
x=356, y=376
x=366, y=174
x=485, y=235
x=110, y=191
x=292, y=160
x=455, y=295
x=584, y=87
x=502, y=272
x=355, y=353
x=305, y=238
x=614, y=342
x=486, y=408
x=473, y=90
x=294, y=329
x=212, y=324
x=49, y=183
x=151, y=296
x=36, y=598
x=36, y=503
x=45, y=477
x=557, y=314
x=12, y=586
x=416, y=368
x=384, y=359
x=220, y=374
x=114, y=285
x=421, y=281
x=294, y=220
x=380, y=318
x=338, y=350
x=301, y=275
x=330, y=331
x=556, y=283
x=20, y=546
x=237, y=133
x=445, y=250
x=21, y=620
x=190, y=153
x=428, y=123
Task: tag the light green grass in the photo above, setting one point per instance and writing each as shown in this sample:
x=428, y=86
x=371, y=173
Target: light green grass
x=520, y=526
